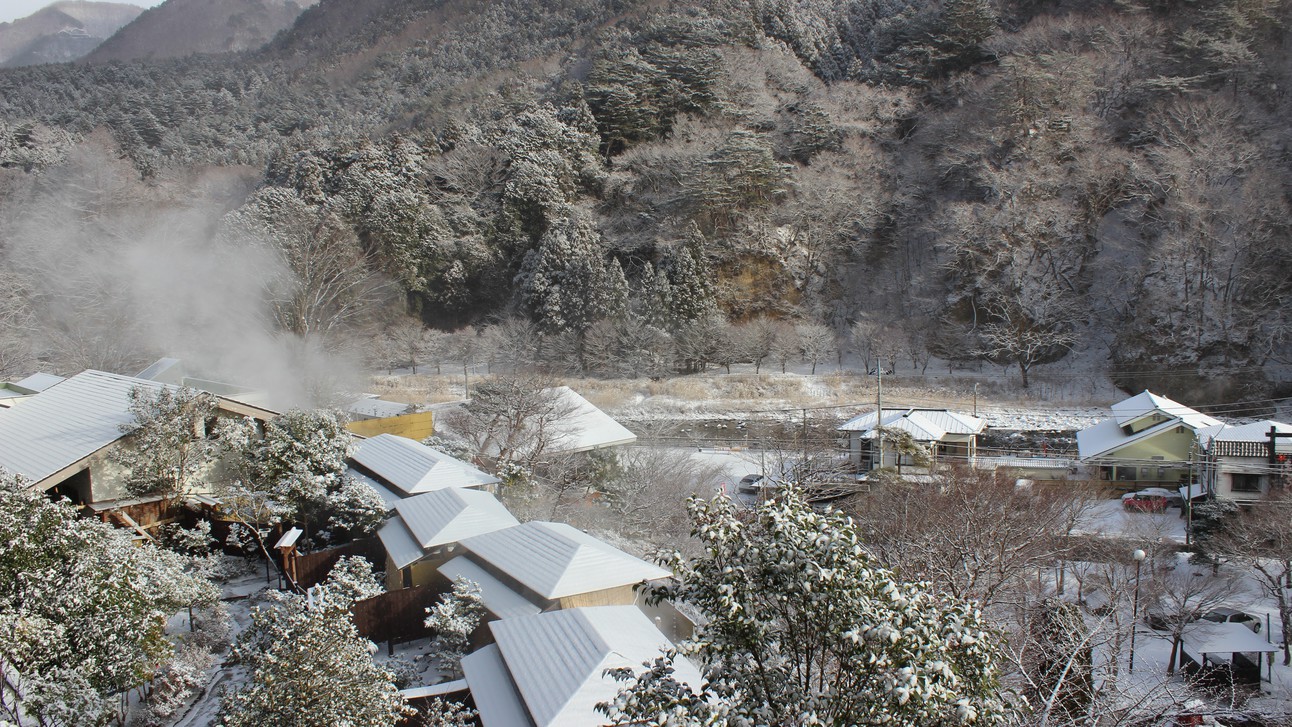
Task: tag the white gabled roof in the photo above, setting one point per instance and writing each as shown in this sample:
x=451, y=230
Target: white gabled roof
x=66, y=423
x=448, y=516
x=925, y=425
x=439, y=518
x=586, y=427
x=495, y=694
x=399, y=543
x=1107, y=435
x=495, y=595
x=1146, y=402
x=556, y=560
x=558, y=661
x=414, y=467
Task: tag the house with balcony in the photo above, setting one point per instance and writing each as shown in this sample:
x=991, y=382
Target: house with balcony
x=948, y=436
x=1149, y=440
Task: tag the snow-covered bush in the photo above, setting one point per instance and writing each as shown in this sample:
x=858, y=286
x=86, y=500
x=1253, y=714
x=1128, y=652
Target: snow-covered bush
x=307, y=658
x=174, y=684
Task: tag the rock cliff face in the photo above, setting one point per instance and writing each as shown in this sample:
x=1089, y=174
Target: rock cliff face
x=179, y=28
x=61, y=32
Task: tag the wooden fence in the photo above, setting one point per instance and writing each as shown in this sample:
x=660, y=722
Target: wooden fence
x=395, y=616
x=313, y=568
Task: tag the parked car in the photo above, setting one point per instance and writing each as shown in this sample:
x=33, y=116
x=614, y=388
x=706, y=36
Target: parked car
x=1173, y=498
x=750, y=484
x=1143, y=502
x=1225, y=614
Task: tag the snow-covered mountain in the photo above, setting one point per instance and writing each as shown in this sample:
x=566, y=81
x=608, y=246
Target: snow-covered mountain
x=63, y=31
x=178, y=28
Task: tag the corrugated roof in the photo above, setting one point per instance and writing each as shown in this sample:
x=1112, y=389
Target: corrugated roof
x=494, y=692
x=39, y=381
x=556, y=560
x=496, y=596
x=451, y=515
x=66, y=423
x=928, y=425
x=558, y=660
x=414, y=467
x=399, y=542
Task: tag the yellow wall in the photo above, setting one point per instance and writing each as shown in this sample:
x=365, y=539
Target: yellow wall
x=621, y=596
x=417, y=426
x=1170, y=445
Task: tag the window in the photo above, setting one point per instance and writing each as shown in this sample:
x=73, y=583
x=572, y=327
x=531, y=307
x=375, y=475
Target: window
x=1242, y=482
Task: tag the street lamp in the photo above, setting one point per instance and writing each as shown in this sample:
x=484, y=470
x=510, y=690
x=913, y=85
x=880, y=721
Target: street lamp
x=1138, y=556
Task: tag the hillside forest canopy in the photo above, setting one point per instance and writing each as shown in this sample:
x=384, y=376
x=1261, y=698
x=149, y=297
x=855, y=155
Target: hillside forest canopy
x=1016, y=181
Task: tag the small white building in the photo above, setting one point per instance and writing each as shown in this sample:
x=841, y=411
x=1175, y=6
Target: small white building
x=949, y=436
x=1243, y=462
x=425, y=529
x=398, y=467
x=557, y=566
x=549, y=669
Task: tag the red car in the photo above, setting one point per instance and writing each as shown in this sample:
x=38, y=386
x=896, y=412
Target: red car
x=1141, y=502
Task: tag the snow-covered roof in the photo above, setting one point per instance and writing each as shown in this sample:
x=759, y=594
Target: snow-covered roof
x=496, y=697
x=1146, y=403
x=39, y=381
x=1207, y=637
x=399, y=543
x=1108, y=435
x=439, y=518
x=451, y=515
x=556, y=560
x=66, y=423
x=373, y=408
x=413, y=467
x=495, y=595
x=925, y=425
x=1258, y=432
x=586, y=427
x=558, y=662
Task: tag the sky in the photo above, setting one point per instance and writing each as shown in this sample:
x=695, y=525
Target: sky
x=14, y=9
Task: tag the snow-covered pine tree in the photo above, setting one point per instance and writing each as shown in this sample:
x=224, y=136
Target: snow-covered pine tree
x=804, y=629
x=82, y=609
x=168, y=448
x=453, y=620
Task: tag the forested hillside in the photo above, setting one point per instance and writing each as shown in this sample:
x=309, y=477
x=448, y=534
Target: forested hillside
x=1022, y=181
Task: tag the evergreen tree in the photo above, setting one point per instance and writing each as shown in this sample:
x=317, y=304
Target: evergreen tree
x=309, y=665
x=168, y=447
x=453, y=620
x=802, y=628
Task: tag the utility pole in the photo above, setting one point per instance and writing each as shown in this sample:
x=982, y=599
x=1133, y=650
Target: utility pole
x=879, y=411
x=975, y=398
